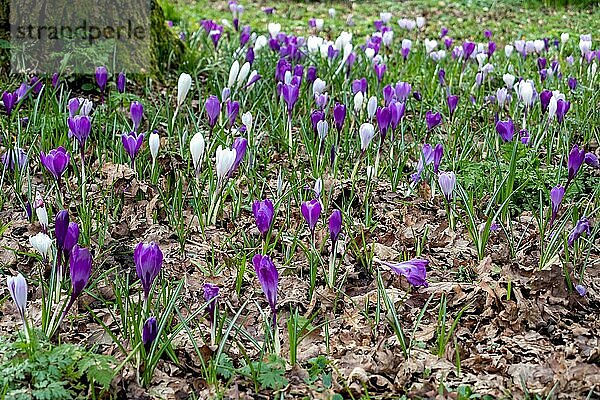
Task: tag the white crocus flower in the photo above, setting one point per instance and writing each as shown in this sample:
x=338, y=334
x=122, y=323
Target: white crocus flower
x=372, y=107
x=367, y=132
x=224, y=161
x=197, y=146
x=183, y=87
x=41, y=242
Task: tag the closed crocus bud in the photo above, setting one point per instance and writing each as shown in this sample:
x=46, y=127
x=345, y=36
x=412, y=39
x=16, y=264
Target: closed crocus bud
x=562, y=106
x=263, y=215
x=269, y=280
x=17, y=287
x=101, y=77
x=213, y=109
x=243, y=74
x=432, y=119
x=80, y=127
x=322, y=129
x=61, y=225
x=358, y=102
x=71, y=238
x=525, y=90
x=311, y=211
x=56, y=161
x=447, y=181
x=136, y=110
x=41, y=212
x=225, y=158
x=415, y=271
x=154, y=144
x=240, y=145
x=183, y=87
x=148, y=260
x=452, y=103
x=582, y=226
x=197, y=145
x=556, y=196
x=564, y=37
x=247, y=120
x=592, y=160
x=149, y=332
x=339, y=115
x=508, y=50
x=233, y=73
x=506, y=130
x=211, y=293
x=335, y=225
x=121, y=80
x=572, y=83
x=438, y=153
x=73, y=106
x=80, y=268
x=132, y=143
x=372, y=107
x=581, y=290
x=366, y=132
x=576, y=158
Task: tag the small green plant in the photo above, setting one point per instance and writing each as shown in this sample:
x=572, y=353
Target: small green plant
x=42, y=370
x=269, y=374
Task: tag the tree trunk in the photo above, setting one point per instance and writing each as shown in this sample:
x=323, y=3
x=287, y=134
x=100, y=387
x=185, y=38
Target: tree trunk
x=150, y=53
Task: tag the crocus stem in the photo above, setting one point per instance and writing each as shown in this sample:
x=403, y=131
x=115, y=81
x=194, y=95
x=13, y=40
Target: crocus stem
x=290, y=143
x=332, y=265
x=25, y=329
x=82, y=174
x=355, y=170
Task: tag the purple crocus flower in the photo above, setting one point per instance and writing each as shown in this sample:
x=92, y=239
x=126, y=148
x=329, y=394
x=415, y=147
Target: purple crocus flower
x=14, y=158
x=572, y=82
x=71, y=238
x=149, y=332
x=487, y=33
x=136, y=110
x=576, y=158
x=415, y=271
x=61, y=226
x=211, y=292
x=335, y=225
x=263, y=215
x=9, y=99
x=55, y=80
x=442, y=76
x=384, y=118
x=148, y=260
x=491, y=48
x=403, y=90
x=562, y=107
x=311, y=74
x=443, y=32
x=132, y=144
x=452, y=103
x=339, y=115
x=426, y=158
x=213, y=109
x=233, y=109
x=556, y=196
x=245, y=35
x=359, y=85
x=121, y=80
x=447, y=181
x=269, y=280
x=525, y=137
x=240, y=145
x=582, y=226
x=388, y=94
x=101, y=77
x=315, y=117
x=290, y=96
x=581, y=290
x=506, y=130
x=80, y=127
x=80, y=269
x=432, y=119
x=22, y=91
x=592, y=160
x=56, y=161
x=448, y=42
x=379, y=71
x=467, y=49
x=542, y=63
x=545, y=97
x=311, y=210
x=438, y=153
x=250, y=55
